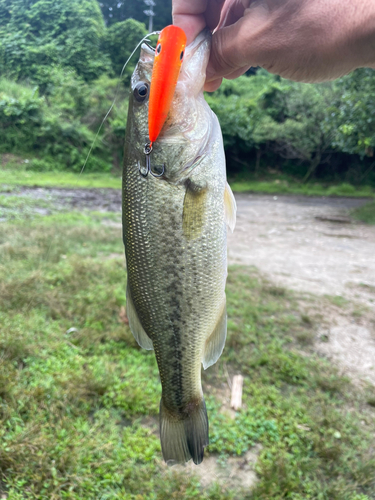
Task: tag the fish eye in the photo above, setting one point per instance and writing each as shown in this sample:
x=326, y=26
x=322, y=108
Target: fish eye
x=158, y=49
x=141, y=91
x=181, y=55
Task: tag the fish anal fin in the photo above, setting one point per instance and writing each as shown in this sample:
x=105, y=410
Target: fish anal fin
x=216, y=341
x=230, y=208
x=194, y=212
x=135, y=325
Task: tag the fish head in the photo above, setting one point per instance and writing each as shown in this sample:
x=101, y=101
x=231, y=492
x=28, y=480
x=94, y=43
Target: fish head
x=184, y=138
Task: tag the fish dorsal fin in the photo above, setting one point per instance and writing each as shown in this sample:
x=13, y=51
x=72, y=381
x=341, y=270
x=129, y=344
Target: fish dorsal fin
x=216, y=341
x=230, y=208
x=135, y=325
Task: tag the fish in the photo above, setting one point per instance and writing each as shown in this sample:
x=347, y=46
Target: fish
x=177, y=206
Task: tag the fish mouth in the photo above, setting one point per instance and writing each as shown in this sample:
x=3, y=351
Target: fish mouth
x=148, y=48
x=203, y=37
x=199, y=39
x=192, y=47
x=187, y=131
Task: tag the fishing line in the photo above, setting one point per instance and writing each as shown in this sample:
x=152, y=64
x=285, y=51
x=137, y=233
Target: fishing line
x=144, y=39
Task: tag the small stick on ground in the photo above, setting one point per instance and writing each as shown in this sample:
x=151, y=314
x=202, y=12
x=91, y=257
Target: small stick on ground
x=236, y=396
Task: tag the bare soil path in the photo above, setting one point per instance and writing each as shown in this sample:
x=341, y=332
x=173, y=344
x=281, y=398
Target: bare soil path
x=307, y=244
x=311, y=245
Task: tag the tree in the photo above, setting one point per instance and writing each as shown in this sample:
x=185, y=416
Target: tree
x=354, y=113
x=301, y=132
x=41, y=33
x=116, y=11
x=120, y=41
x=266, y=114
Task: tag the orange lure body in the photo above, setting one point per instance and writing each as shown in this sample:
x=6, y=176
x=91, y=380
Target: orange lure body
x=169, y=55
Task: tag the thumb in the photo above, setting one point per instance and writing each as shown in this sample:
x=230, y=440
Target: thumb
x=236, y=47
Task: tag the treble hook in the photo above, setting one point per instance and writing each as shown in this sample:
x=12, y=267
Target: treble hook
x=147, y=151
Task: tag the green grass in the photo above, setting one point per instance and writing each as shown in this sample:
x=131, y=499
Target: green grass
x=15, y=172
x=23, y=207
x=79, y=400
x=365, y=213
x=310, y=189
x=106, y=180
x=59, y=179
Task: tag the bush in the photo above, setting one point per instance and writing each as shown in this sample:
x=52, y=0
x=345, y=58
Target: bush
x=21, y=111
x=35, y=35
x=302, y=129
x=120, y=41
x=62, y=125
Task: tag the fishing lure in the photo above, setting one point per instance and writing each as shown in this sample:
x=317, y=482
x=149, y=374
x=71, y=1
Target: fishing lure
x=169, y=55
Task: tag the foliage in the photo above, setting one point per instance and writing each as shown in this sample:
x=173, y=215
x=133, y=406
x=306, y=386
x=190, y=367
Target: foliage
x=282, y=121
x=20, y=116
x=353, y=117
x=292, y=126
x=120, y=40
x=366, y=213
x=37, y=34
x=61, y=125
x=116, y=11
x=79, y=399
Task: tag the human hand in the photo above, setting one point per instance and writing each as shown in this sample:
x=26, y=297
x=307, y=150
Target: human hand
x=303, y=40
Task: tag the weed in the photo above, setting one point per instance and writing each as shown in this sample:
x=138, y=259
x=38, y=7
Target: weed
x=75, y=388
x=366, y=213
x=338, y=300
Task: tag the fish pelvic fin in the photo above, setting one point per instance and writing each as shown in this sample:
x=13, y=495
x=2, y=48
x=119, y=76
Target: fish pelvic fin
x=230, y=208
x=184, y=437
x=135, y=325
x=216, y=341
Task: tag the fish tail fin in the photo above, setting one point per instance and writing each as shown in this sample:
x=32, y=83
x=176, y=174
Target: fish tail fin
x=184, y=438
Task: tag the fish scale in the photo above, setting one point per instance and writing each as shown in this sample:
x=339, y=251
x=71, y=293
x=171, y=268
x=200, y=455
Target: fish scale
x=174, y=230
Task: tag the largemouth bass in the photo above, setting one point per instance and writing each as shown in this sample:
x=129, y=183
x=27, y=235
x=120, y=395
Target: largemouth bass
x=174, y=230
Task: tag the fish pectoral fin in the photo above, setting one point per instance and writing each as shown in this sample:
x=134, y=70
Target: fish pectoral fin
x=194, y=211
x=135, y=325
x=230, y=208
x=216, y=341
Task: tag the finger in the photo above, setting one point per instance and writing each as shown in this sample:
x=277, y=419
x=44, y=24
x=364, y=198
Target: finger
x=239, y=45
x=232, y=11
x=213, y=13
x=212, y=86
x=237, y=73
x=215, y=84
x=192, y=24
x=194, y=15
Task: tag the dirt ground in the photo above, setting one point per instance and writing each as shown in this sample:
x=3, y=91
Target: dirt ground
x=311, y=245
x=308, y=244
